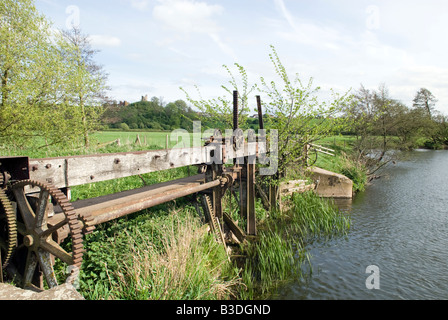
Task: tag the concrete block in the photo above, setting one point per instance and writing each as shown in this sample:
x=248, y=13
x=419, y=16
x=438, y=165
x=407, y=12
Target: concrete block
x=330, y=184
x=62, y=292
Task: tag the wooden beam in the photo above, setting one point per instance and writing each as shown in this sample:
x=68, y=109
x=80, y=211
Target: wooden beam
x=71, y=171
x=239, y=234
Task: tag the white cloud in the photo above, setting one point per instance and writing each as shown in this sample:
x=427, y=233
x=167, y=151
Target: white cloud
x=139, y=4
x=187, y=16
x=309, y=33
x=224, y=47
x=100, y=40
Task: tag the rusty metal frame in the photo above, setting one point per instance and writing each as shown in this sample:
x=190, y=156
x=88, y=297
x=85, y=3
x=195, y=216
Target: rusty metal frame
x=65, y=172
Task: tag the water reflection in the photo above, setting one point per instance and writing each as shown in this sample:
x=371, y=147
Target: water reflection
x=345, y=205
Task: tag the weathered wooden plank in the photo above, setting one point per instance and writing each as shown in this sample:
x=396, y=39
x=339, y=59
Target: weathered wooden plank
x=77, y=170
x=237, y=231
x=71, y=171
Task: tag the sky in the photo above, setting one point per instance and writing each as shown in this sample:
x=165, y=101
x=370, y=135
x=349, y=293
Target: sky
x=154, y=47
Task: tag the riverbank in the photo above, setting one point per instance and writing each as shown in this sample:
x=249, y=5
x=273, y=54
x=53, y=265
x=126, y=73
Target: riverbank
x=166, y=252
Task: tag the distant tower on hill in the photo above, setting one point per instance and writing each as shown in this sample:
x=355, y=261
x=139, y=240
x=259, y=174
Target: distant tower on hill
x=145, y=98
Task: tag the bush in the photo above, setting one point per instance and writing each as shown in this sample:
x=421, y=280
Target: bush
x=355, y=171
x=123, y=126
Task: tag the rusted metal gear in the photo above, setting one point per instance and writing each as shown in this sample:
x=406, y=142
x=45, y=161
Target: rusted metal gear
x=215, y=225
x=41, y=234
x=8, y=226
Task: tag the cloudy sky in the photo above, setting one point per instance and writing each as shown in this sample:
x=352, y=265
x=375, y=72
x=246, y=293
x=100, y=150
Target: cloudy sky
x=153, y=47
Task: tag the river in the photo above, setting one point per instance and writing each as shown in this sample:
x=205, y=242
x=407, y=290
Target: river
x=399, y=225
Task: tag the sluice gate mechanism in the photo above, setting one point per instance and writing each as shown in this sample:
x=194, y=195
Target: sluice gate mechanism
x=42, y=231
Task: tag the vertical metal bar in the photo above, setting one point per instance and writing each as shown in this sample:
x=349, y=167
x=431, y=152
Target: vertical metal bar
x=260, y=113
x=235, y=110
x=217, y=192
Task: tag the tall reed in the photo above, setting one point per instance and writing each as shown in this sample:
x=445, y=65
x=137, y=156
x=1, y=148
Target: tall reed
x=279, y=253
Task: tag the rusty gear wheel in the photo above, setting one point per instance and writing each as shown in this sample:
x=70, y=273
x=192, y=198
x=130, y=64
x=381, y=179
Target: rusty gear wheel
x=8, y=227
x=40, y=234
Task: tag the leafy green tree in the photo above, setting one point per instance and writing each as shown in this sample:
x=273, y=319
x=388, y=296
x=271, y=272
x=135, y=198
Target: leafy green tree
x=375, y=117
x=32, y=80
x=218, y=112
x=40, y=79
x=87, y=80
x=425, y=99
x=442, y=129
x=292, y=108
x=298, y=113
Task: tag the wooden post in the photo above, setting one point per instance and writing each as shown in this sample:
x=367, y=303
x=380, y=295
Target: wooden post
x=260, y=113
x=273, y=196
x=251, y=219
x=247, y=196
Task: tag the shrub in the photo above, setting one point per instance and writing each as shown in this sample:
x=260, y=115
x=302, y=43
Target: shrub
x=123, y=126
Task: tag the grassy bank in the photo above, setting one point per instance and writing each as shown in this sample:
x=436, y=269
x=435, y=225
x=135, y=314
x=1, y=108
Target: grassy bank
x=165, y=253
x=344, y=161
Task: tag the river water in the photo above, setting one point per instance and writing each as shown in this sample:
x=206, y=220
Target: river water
x=399, y=225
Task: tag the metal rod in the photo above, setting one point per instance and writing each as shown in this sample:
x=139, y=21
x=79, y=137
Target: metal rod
x=235, y=110
x=260, y=113
x=153, y=201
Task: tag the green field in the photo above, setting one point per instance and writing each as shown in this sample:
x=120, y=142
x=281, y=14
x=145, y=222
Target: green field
x=153, y=139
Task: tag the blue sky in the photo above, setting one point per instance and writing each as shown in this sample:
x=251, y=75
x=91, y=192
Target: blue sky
x=153, y=47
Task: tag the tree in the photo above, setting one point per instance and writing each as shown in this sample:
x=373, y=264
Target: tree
x=219, y=111
x=425, y=99
x=32, y=79
x=376, y=120
x=293, y=108
x=299, y=115
x=88, y=80
x=41, y=75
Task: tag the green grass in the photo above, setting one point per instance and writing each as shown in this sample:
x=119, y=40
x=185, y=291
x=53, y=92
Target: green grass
x=100, y=142
x=128, y=137
x=343, y=162
x=162, y=254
